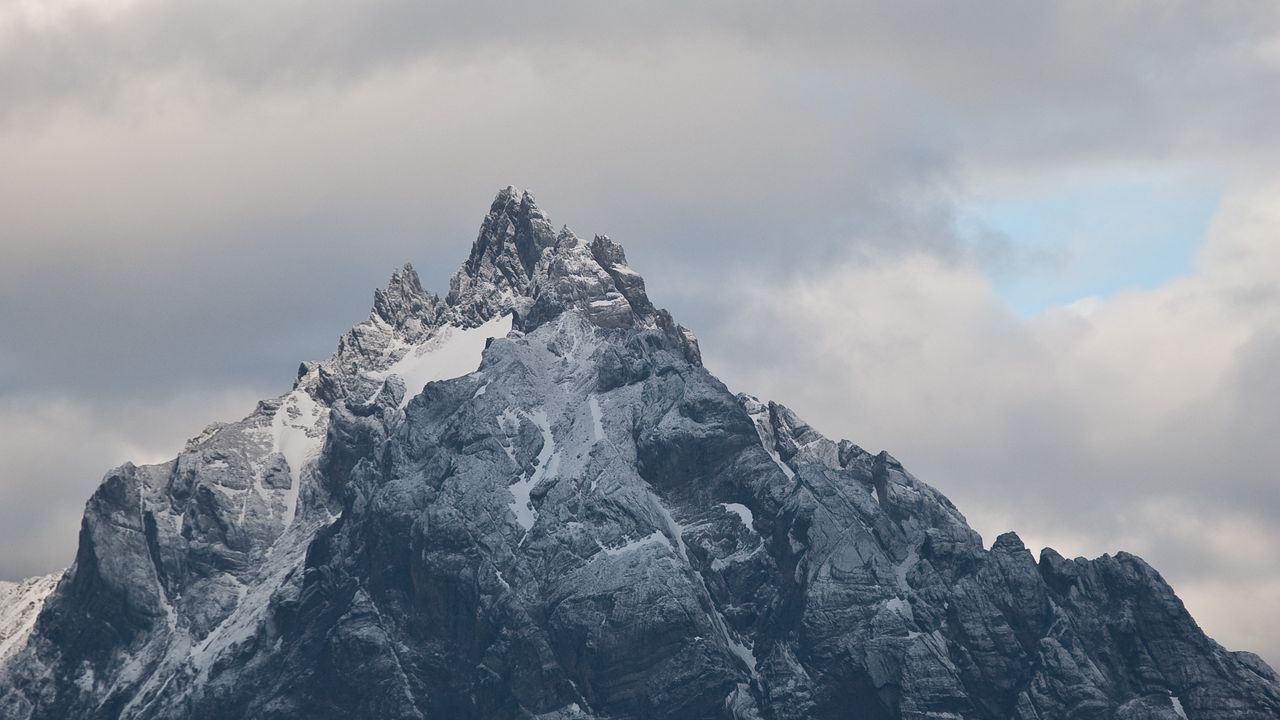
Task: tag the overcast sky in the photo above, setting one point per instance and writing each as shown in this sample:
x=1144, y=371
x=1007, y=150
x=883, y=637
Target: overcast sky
x=1030, y=249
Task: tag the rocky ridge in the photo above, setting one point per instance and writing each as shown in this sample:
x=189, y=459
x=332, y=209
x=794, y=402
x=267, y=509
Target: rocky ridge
x=530, y=499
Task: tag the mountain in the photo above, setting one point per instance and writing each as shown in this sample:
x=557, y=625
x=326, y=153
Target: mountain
x=529, y=499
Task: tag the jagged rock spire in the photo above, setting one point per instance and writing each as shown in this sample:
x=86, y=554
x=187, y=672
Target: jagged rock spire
x=519, y=264
x=404, y=305
x=403, y=315
x=503, y=257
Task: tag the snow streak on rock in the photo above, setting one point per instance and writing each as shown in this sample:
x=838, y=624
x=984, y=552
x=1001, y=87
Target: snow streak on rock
x=545, y=465
x=297, y=433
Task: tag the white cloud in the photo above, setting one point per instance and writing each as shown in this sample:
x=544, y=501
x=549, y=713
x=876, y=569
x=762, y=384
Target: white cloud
x=1134, y=424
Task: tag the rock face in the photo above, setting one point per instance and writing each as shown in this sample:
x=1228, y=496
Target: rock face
x=575, y=519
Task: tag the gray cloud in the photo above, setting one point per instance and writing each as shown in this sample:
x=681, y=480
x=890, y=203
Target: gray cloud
x=197, y=196
x=1152, y=74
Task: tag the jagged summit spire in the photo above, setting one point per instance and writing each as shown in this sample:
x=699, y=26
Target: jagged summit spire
x=503, y=256
x=519, y=265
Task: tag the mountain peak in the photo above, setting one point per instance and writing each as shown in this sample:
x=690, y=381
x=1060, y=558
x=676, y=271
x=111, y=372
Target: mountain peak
x=520, y=264
x=531, y=500
x=404, y=304
x=503, y=257
x=511, y=193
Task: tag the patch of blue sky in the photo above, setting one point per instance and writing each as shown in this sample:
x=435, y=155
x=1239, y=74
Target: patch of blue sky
x=1094, y=238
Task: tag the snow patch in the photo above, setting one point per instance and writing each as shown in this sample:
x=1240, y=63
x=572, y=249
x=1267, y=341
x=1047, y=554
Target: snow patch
x=741, y=704
x=449, y=353
x=548, y=464
x=765, y=433
x=297, y=433
x=677, y=532
x=743, y=512
x=597, y=418
x=913, y=556
x=900, y=606
x=85, y=681
x=743, y=652
x=1177, y=706
x=777, y=460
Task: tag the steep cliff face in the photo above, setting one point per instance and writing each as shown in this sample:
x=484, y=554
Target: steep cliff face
x=530, y=499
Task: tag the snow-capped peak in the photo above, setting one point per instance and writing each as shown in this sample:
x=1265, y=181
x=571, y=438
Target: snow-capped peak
x=576, y=522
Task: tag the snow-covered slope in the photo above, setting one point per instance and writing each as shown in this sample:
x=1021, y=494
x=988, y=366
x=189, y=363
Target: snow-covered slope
x=450, y=352
x=531, y=500
x=20, y=603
